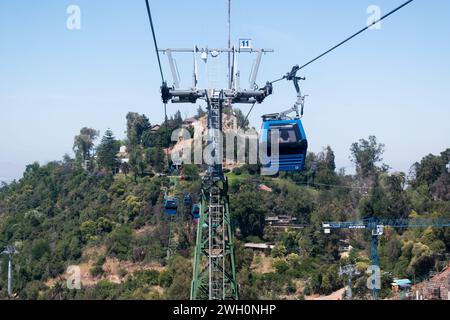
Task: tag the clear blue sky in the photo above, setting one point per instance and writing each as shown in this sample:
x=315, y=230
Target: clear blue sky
x=392, y=83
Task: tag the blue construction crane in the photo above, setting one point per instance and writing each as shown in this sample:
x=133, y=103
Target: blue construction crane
x=376, y=226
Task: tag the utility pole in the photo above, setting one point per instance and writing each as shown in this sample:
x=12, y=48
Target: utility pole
x=214, y=272
x=10, y=251
x=350, y=271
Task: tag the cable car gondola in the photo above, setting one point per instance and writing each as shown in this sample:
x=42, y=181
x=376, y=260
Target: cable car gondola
x=195, y=211
x=292, y=142
x=170, y=206
x=187, y=200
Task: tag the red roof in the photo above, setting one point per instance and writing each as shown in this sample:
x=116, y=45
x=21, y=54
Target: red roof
x=263, y=187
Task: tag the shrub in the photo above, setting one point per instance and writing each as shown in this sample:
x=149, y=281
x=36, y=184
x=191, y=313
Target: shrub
x=237, y=171
x=97, y=270
x=281, y=266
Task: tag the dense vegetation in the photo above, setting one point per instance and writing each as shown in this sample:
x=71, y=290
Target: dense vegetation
x=58, y=211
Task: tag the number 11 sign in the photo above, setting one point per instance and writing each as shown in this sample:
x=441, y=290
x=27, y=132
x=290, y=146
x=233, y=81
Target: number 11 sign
x=245, y=43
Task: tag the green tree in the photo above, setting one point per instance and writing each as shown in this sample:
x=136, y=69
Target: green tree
x=329, y=159
x=181, y=272
x=249, y=213
x=156, y=158
x=39, y=249
x=88, y=230
x=200, y=112
x=330, y=280
x=365, y=154
x=119, y=242
x=177, y=120
x=84, y=143
x=137, y=125
x=107, y=151
x=191, y=171
x=294, y=260
x=432, y=173
x=398, y=206
x=376, y=204
x=242, y=122
x=137, y=163
x=280, y=266
x=279, y=250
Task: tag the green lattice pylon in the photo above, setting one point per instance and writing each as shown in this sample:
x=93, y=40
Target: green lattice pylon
x=214, y=274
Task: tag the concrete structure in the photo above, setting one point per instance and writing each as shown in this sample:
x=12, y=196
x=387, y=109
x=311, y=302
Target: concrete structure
x=283, y=221
x=259, y=246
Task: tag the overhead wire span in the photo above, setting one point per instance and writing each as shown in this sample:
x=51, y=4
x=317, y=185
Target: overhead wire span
x=354, y=35
x=246, y=118
x=149, y=13
x=331, y=185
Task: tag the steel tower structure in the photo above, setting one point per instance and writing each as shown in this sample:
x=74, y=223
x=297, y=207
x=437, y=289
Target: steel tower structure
x=10, y=251
x=349, y=270
x=214, y=272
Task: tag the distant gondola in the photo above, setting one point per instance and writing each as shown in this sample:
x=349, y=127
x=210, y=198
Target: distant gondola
x=187, y=200
x=195, y=211
x=170, y=206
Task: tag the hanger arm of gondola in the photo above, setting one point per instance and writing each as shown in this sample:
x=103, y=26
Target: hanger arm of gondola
x=300, y=102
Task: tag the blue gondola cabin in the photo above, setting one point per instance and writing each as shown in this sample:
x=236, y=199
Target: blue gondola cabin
x=195, y=212
x=170, y=206
x=292, y=144
x=188, y=200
